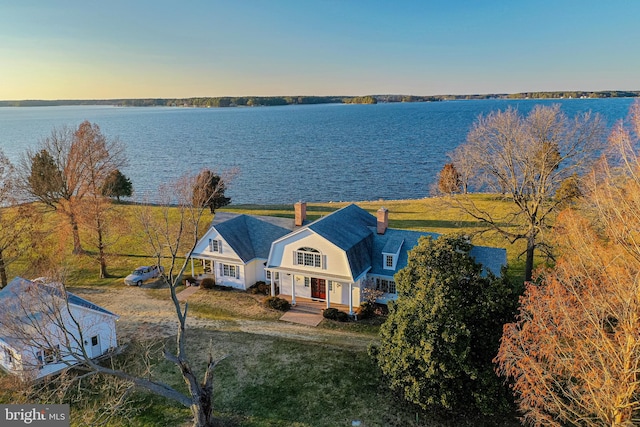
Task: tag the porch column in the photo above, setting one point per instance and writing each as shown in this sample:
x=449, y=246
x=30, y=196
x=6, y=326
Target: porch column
x=326, y=292
x=351, y=298
x=293, y=289
x=193, y=271
x=273, y=285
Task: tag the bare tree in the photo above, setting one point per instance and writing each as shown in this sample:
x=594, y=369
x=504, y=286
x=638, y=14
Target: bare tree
x=15, y=218
x=64, y=168
x=169, y=238
x=101, y=158
x=171, y=231
x=573, y=353
x=209, y=189
x=527, y=159
x=464, y=166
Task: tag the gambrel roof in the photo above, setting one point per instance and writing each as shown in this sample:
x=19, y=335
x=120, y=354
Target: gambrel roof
x=348, y=229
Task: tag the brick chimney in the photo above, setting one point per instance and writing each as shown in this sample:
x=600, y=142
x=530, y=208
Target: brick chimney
x=300, y=209
x=383, y=220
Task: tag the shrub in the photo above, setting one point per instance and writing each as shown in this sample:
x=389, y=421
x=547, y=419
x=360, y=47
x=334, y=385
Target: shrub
x=366, y=310
x=208, y=283
x=335, y=314
x=260, y=288
x=190, y=279
x=277, y=303
x=330, y=313
x=342, y=316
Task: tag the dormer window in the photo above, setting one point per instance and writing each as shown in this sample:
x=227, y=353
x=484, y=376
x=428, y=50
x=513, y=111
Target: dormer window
x=391, y=253
x=308, y=257
x=389, y=261
x=215, y=245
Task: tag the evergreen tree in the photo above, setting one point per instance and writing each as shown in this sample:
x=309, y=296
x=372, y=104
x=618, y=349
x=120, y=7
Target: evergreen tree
x=440, y=337
x=117, y=185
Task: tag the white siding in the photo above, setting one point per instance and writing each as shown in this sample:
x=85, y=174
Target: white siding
x=203, y=250
x=334, y=259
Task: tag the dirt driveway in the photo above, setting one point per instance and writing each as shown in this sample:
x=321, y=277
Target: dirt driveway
x=143, y=315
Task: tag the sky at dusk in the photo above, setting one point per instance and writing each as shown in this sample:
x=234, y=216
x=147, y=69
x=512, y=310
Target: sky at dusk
x=71, y=49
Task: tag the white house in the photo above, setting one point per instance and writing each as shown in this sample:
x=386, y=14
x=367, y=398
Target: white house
x=235, y=248
x=45, y=329
x=331, y=259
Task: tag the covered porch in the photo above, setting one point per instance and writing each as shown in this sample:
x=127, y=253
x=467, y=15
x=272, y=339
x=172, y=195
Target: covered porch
x=313, y=306
x=322, y=290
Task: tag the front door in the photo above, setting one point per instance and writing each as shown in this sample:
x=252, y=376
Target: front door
x=95, y=346
x=318, y=288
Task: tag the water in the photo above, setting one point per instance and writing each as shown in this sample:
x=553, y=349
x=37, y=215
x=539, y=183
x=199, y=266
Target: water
x=318, y=153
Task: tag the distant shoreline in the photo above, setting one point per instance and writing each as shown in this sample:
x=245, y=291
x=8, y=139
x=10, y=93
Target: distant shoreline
x=265, y=101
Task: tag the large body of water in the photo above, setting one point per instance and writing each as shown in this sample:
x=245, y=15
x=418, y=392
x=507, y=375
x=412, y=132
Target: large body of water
x=320, y=153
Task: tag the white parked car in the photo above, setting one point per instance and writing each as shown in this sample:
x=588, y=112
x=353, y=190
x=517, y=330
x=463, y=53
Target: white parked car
x=142, y=274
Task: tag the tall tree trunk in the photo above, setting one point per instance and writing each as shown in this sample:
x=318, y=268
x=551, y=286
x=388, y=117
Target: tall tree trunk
x=101, y=254
x=528, y=266
x=77, y=246
x=203, y=410
x=3, y=271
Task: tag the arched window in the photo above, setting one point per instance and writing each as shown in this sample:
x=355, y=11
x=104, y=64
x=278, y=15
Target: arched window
x=307, y=256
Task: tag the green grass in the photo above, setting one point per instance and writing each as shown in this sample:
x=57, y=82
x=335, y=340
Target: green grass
x=277, y=381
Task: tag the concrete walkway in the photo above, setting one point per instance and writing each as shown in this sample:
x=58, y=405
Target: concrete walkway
x=305, y=312
x=187, y=292
x=302, y=317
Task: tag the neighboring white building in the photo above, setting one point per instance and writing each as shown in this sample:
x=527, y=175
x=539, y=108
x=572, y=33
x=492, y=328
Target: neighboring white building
x=45, y=329
x=331, y=259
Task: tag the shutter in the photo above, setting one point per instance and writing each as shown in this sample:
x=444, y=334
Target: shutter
x=237, y=271
x=220, y=246
x=221, y=270
x=324, y=262
x=210, y=245
x=295, y=258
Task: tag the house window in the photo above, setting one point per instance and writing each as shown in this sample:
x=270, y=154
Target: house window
x=9, y=357
x=308, y=257
x=389, y=261
x=386, y=286
x=94, y=341
x=228, y=270
x=392, y=287
x=276, y=277
x=49, y=355
x=214, y=245
x=307, y=282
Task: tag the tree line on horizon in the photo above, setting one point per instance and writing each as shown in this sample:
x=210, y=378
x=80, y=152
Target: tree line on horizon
x=267, y=101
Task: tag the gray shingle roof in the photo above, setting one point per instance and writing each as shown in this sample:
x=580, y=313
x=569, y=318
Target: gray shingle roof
x=251, y=236
x=348, y=228
x=383, y=242
x=492, y=259
x=10, y=294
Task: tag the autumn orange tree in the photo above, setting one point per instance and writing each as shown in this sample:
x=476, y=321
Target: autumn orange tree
x=573, y=354
x=67, y=168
